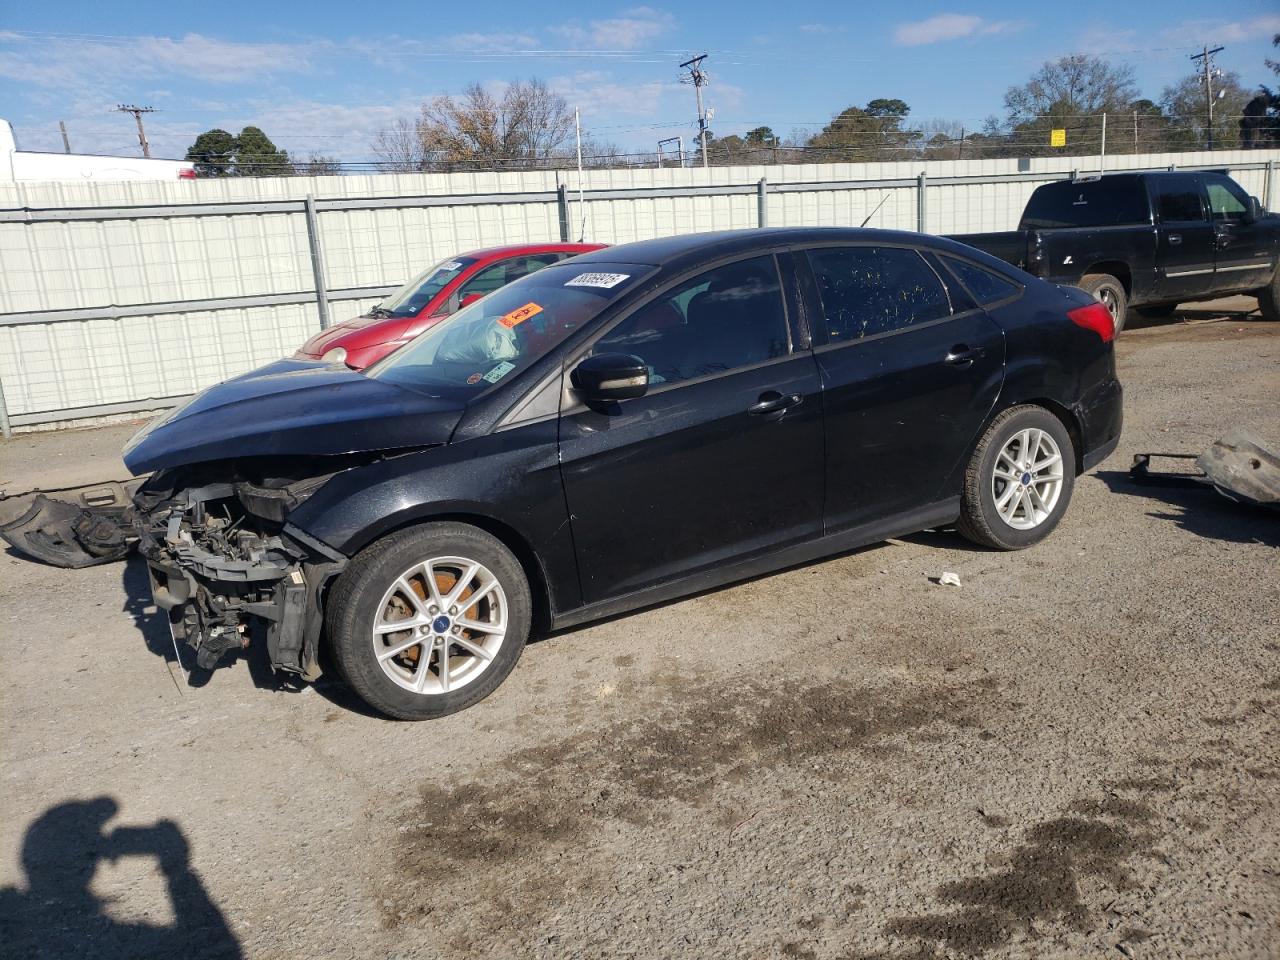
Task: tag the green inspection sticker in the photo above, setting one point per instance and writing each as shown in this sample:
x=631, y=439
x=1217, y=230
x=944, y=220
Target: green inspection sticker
x=500, y=371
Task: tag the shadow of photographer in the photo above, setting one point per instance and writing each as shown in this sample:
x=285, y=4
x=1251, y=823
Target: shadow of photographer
x=59, y=915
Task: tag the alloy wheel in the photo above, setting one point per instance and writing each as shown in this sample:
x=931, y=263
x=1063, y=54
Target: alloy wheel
x=1026, y=480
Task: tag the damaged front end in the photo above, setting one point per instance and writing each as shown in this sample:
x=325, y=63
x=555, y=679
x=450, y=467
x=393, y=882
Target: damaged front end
x=223, y=559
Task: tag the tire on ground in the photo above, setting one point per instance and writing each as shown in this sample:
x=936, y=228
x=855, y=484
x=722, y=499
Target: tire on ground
x=352, y=609
x=1269, y=299
x=980, y=521
x=1103, y=286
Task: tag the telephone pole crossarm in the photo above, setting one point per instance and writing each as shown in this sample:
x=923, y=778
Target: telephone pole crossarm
x=137, y=115
x=699, y=78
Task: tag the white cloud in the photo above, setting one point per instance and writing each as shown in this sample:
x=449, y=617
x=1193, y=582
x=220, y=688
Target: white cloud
x=630, y=30
x=74, y=62
x=1195, y=33
x=949, y=26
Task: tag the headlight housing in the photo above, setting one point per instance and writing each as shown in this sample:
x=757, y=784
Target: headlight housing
x=336, y=355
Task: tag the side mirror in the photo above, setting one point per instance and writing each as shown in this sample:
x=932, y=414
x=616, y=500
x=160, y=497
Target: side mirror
x=611, y=376
x=470, y=298
x=1254, y=212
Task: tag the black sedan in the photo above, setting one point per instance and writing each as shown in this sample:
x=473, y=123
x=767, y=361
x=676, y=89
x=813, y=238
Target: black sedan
x=630, y=426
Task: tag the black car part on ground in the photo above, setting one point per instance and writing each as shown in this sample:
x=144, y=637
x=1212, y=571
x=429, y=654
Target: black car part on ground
x=1239, y=466
x=92, y=527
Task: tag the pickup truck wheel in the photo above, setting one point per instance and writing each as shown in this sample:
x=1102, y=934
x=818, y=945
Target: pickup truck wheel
x=1108, y=291
x=1269, y=299
x=1019, y=480
x=429, y=620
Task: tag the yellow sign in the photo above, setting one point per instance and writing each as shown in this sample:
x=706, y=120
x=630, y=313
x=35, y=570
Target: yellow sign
x=1058, y=138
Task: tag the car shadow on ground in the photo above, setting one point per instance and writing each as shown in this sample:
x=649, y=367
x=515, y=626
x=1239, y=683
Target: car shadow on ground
x=57, y=914
x=1201, y=510
x=1193, y=314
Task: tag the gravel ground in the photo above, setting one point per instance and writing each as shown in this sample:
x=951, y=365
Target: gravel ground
x=1075, y=753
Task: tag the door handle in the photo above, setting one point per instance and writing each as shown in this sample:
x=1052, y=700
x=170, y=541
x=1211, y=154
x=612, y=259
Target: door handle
x=1175, y=239
x=961, y=355
x=773, y=402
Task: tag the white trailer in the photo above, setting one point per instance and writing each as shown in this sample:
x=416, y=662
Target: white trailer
x=26, y=165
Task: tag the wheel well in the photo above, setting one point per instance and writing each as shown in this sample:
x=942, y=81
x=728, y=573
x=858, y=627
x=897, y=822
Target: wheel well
x=1118, y=269
x=1069, y=421
x=539, y=591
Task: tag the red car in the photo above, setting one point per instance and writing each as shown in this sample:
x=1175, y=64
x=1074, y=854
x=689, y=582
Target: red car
x=430, y=297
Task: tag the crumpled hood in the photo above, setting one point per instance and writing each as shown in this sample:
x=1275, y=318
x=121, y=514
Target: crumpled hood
x=292, y=408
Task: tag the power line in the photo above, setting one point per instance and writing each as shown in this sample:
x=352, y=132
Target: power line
x=137, y=115
x=699, y=79
x=1205, y=56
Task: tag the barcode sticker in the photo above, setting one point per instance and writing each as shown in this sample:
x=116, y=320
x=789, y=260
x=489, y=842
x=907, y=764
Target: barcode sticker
x=605, y=280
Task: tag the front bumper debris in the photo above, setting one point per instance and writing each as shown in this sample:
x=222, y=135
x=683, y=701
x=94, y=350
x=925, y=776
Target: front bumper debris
x=1239, y=466
x=95, y=526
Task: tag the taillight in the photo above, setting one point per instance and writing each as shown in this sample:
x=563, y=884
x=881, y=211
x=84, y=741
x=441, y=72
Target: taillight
x=186, y=173
x=1095, y=317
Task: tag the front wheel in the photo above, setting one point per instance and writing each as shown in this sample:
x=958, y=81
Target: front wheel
x=1108, y=291
x=1019, y=480
x=429, y=620
x=1269, y=299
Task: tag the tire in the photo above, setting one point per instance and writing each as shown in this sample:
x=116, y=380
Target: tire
x=981, y=519
x=372, y=595
x=1269, y=299
x=1106, y=289
x=1157, y=311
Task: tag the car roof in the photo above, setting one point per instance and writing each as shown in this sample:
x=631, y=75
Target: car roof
x=692, y=248
x=519, y=249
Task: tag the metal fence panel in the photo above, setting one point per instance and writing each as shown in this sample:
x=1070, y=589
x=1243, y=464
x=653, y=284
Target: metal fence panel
x=114, y=251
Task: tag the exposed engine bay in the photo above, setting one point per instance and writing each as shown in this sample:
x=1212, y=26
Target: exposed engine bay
x=222, y=559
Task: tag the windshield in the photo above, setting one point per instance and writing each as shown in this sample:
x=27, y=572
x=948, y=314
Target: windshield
x=409, y=300
x=507, y=331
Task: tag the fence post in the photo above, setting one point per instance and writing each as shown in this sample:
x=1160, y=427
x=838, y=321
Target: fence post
x=922, y=208
x=6, y=428
x=762, y=203
x=562, y=201
x=1266, y=197
x=317, y=262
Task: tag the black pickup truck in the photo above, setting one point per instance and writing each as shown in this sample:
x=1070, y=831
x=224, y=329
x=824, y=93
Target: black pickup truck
x=1147, y=241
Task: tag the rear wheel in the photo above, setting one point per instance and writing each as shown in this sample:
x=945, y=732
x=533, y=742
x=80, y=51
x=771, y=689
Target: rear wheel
x=429, y=620
x=1019, y=480
x=1269, y=299
x=1108, y=291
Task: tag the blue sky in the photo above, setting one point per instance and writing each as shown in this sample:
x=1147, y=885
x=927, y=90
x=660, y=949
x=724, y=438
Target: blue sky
x=324, y=76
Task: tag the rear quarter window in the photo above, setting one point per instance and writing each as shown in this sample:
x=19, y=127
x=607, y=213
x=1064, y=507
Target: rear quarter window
x=987, y=287
x=1107, y=202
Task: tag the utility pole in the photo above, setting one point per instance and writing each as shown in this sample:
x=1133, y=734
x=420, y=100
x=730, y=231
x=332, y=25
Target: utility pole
x=1205, y=56
x=137, y=115
x=698, y=77
x=66, y=143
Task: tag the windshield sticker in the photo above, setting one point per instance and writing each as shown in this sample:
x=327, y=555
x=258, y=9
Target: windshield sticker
x=519, y=315
x=452, y=265
x=475, y=378
x=500, y=371
x=605, y=280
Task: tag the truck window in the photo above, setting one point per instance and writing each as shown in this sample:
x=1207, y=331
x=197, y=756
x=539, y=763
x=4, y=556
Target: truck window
x=1227, y=200
x=1107, y=202
x=1177, y=200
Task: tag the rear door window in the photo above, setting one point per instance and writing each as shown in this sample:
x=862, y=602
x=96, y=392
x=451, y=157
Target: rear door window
x=1177, y=200
x=727, y=318
x=987, y=287
x=870, y=290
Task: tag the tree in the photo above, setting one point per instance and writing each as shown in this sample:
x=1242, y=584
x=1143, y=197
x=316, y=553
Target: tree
x=525, y=127
x=257, y=156
x=318, y=166
x=1069, y=93
x=1260, y=120
x=213, y=153
x=873, y=132
x=1184, y=104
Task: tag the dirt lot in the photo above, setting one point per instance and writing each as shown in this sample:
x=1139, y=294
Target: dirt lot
x=1075, y=753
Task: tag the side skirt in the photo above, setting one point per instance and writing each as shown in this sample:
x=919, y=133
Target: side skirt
x=911, y=521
